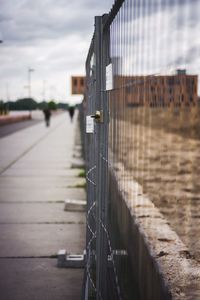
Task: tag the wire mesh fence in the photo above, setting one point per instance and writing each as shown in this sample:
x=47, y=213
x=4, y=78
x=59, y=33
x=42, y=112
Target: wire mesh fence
x=142, y=122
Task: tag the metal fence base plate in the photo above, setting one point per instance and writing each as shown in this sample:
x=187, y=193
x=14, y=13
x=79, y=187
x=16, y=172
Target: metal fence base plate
x=75, y=205
x=73, y=261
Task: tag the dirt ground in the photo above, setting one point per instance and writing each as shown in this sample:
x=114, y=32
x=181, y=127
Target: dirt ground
x=162, y=154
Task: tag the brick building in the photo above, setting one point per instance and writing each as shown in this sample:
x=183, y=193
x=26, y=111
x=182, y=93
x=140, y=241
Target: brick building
x=78, y=85
x=163, y=90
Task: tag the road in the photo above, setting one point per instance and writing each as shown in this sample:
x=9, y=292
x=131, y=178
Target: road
x=14, y=127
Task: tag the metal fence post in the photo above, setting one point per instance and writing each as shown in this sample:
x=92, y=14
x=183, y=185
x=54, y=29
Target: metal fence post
x=101, y=159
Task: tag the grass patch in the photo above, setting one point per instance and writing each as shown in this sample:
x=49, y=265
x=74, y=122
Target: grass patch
x=82, y=174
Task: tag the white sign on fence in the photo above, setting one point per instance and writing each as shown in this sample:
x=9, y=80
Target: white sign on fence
x=109, y=77
x=89, y=124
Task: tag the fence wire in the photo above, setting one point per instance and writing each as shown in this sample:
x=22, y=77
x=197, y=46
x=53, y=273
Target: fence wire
x=148, y=137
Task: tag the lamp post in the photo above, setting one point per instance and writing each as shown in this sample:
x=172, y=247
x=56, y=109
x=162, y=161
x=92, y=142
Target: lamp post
x=29, y=81
x=44, y=90
x=30, y=70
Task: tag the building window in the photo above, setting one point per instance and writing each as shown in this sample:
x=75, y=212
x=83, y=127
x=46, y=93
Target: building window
x=75, y=82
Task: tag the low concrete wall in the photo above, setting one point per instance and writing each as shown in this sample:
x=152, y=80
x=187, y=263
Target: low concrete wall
x=5, y=120
x=162, y=265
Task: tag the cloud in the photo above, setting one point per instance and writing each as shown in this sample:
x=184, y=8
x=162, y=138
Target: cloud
x=52, y=37
x=165, y=39
x=27, y=21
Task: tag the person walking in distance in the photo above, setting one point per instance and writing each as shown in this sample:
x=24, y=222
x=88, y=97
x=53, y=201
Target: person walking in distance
x=47, y=116
x=71, y=112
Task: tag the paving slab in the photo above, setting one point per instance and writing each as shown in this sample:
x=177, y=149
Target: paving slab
x=38, y=279
x=52, y=165
x=34, y=213
x=40, y=194
x=25, y=240
x=49, y=172
x=37, y=181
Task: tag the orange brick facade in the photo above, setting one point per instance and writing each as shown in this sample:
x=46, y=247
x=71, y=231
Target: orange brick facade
x=78, y=85
x=155, y=91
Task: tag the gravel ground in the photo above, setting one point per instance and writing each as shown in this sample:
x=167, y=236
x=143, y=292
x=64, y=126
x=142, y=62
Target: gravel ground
x=167, y=165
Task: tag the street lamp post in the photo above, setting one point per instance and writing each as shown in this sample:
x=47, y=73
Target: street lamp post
x=30, y=70
x=29, y=81
x=44, y=90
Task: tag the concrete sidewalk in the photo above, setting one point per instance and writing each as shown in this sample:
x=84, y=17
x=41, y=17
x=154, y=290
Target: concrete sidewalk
x=35, y=179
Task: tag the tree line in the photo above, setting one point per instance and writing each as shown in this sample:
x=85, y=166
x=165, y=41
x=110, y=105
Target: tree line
x=30, y=104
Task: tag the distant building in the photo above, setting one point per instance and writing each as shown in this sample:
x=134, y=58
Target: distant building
x=78, y=85
x=163, y=90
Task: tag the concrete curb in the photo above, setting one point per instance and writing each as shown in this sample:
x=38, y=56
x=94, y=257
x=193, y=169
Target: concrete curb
x=163, y=266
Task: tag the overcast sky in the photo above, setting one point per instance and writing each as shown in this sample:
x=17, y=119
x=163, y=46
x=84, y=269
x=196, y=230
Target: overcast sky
x=162, y=38
x=50, y=36
x=53, y=37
